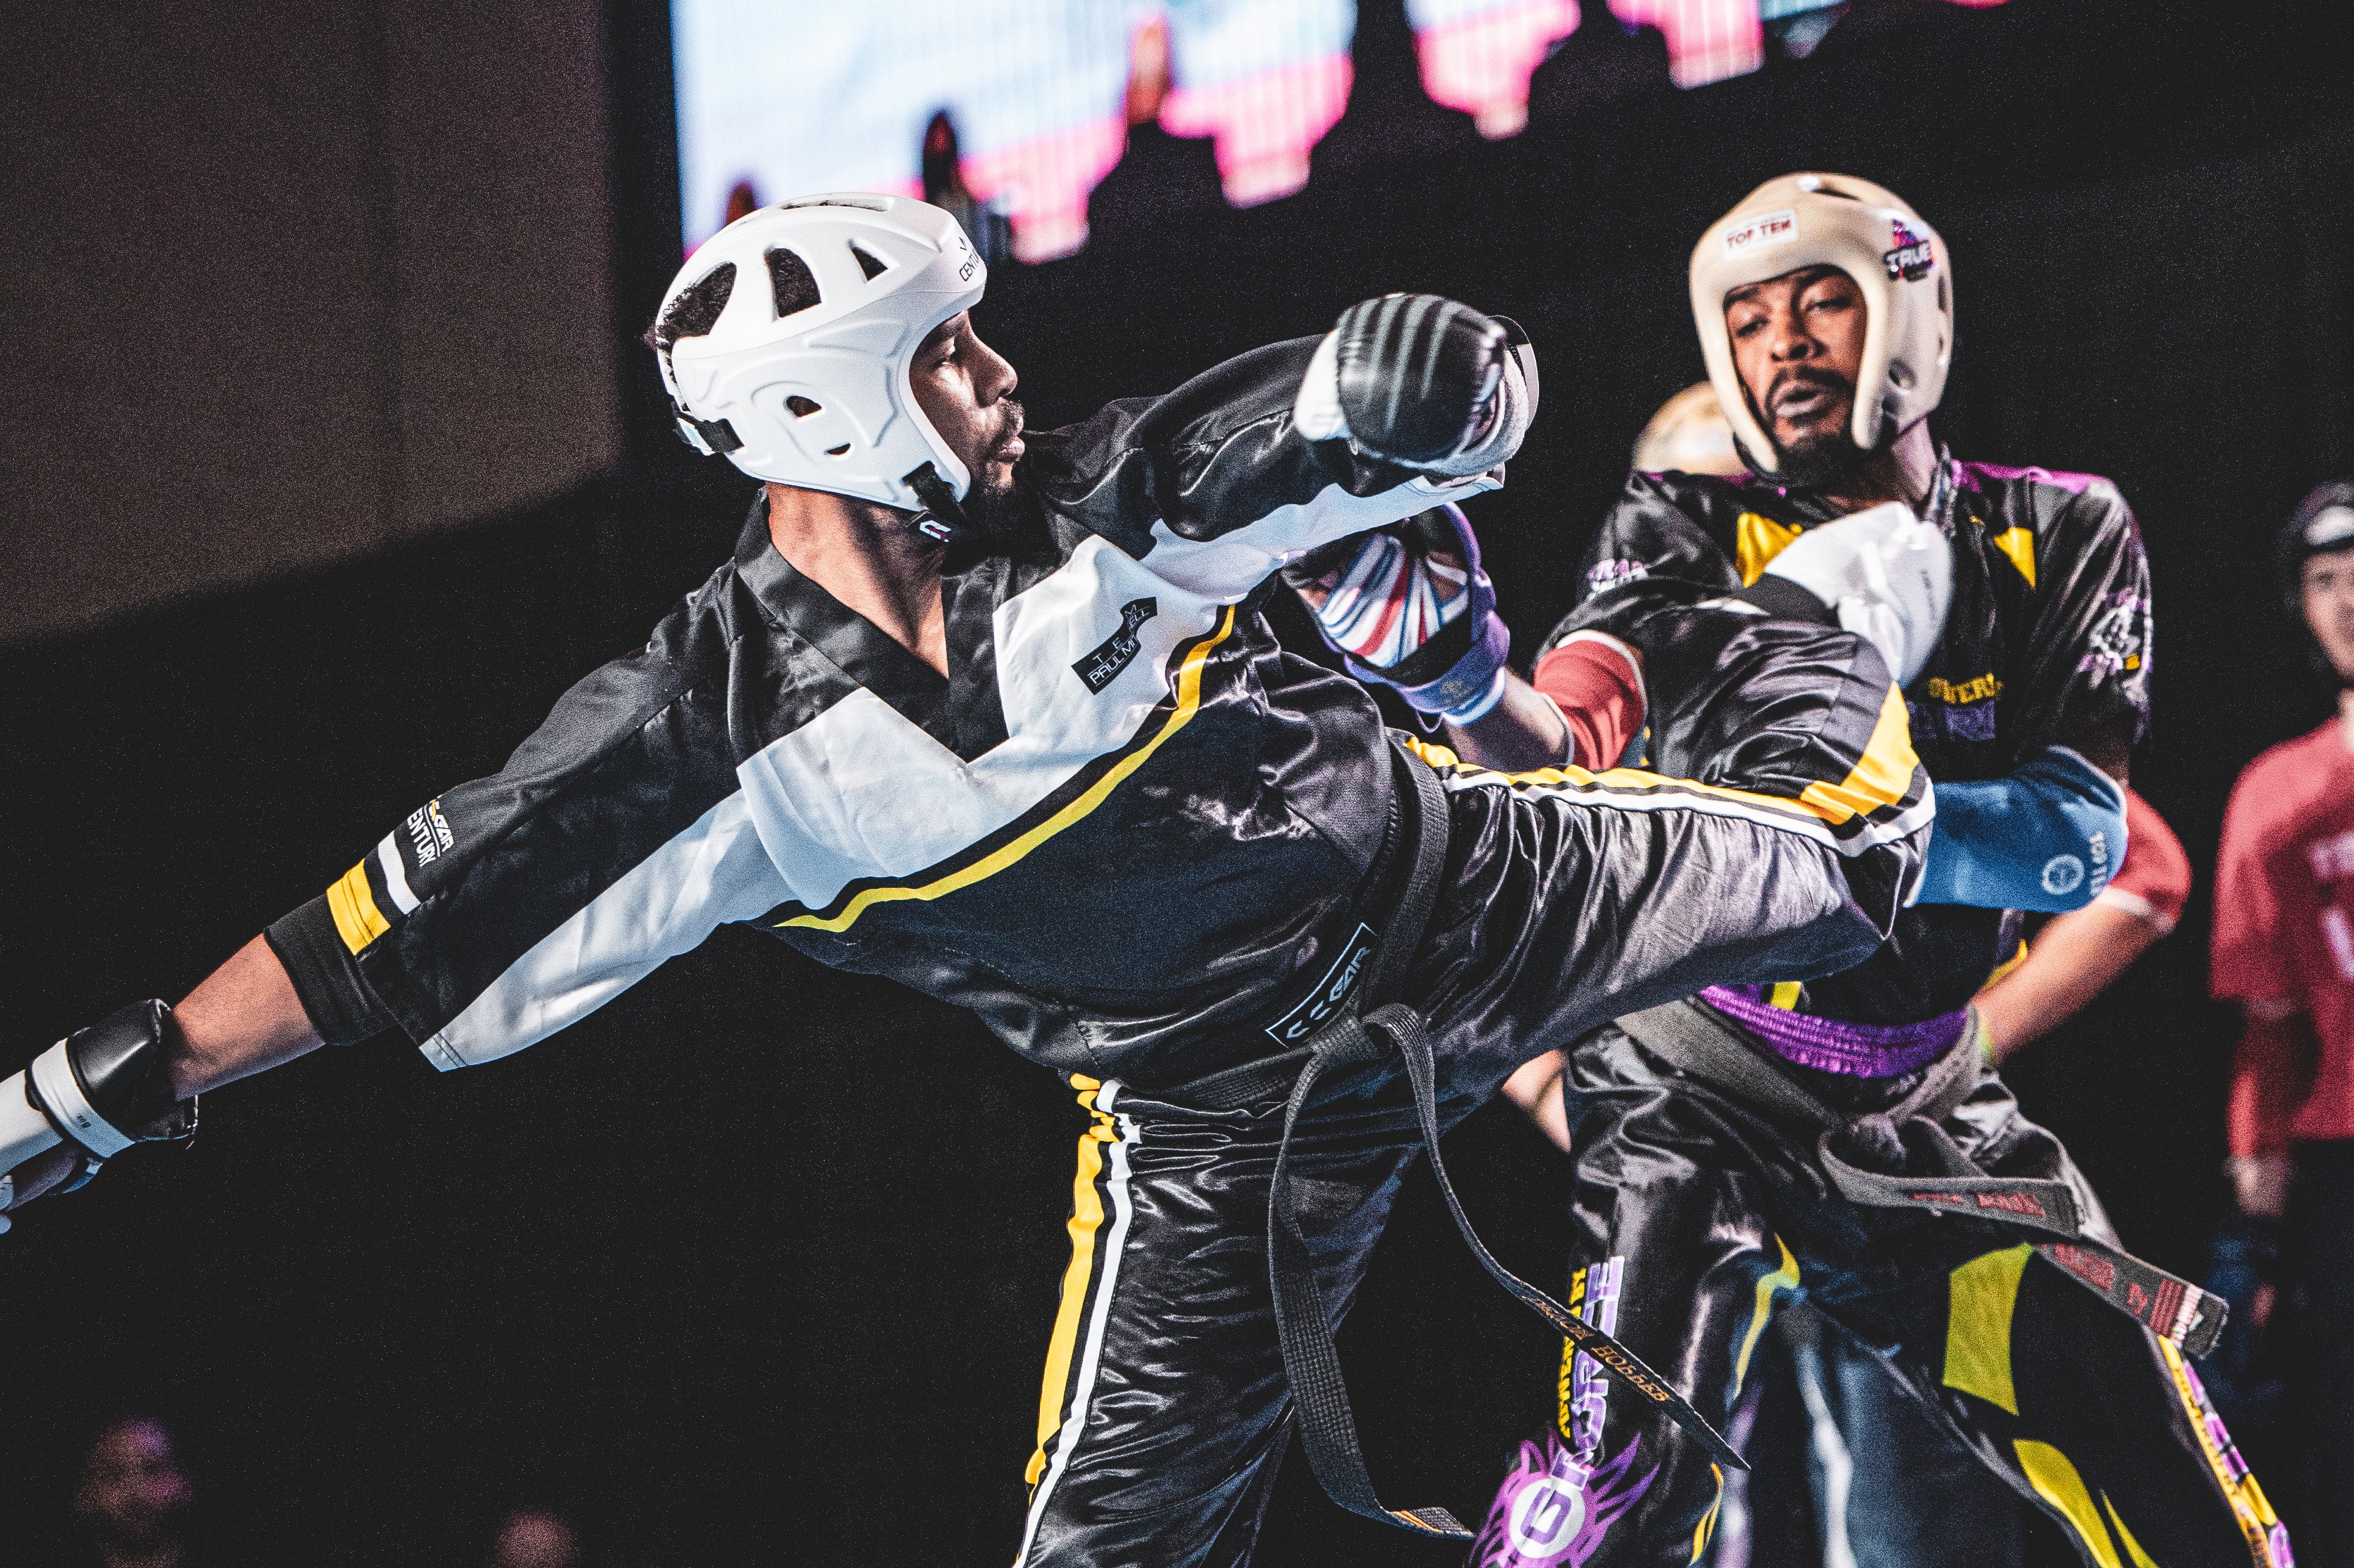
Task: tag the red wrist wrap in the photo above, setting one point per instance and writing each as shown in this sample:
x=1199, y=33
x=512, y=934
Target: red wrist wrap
x=1595, y=683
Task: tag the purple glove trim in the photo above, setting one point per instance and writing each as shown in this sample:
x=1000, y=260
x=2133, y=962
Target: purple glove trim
x=1470, y=683
x=1834, y=1045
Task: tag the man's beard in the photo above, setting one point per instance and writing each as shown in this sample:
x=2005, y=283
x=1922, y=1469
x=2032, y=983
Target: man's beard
x=997, y=513
x=1822, y=457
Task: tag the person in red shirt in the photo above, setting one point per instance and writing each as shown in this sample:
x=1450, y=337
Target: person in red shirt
x=2285, y=952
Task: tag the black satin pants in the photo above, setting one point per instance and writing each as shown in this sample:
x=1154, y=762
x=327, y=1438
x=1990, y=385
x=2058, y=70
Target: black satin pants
x=1697, y=1221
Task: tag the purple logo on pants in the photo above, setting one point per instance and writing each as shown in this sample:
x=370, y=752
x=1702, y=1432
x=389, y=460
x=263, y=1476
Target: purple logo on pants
x=1554, y=1510
x=1557, y=1504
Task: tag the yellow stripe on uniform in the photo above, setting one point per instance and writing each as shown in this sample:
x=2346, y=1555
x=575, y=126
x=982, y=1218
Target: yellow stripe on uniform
x=1881, y=777
x=1783, y=1278
x=2133, y=1554
x=1188, y=685
x=1707, y=1525
x=354, y=907
x=1981, y=1296
x=1756, y=540
x=1086, y=1220
x=1835, y=804
x=2019, y=544
x=2055, y=1480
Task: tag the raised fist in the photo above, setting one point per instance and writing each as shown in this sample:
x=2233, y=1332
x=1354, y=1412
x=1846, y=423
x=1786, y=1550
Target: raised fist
x=1424, y=383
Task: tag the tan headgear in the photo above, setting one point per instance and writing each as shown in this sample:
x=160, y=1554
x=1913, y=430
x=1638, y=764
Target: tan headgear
x=1897, y=260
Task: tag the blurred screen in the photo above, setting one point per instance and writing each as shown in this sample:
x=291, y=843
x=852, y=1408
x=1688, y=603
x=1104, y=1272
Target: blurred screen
x=780, y=98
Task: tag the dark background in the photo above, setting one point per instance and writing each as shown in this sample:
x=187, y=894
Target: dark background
x=756, y=1264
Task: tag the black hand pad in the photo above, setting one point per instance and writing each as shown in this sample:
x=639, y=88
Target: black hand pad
x=1418, y=374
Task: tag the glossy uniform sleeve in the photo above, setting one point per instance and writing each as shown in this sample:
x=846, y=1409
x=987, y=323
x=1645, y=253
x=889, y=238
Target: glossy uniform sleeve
x=2084, y=670
x=2257, y=894
x=1653, y=533
x=1212, y=488
x=499, y=911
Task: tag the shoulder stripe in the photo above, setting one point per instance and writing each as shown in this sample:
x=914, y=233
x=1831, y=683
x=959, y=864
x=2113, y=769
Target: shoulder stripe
x=1756, y=540
x=1187, y=701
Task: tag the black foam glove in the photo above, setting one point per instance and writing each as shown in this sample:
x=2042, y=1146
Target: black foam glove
x=1425, y=383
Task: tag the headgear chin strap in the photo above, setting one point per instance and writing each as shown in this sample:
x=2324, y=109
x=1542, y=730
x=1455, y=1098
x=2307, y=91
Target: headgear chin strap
x=819, y=397
x=1897, y=261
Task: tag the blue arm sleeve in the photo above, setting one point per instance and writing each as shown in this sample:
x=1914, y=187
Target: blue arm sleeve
x=2045, y=837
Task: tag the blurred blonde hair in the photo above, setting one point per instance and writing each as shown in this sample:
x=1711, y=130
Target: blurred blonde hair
x=1689, y=433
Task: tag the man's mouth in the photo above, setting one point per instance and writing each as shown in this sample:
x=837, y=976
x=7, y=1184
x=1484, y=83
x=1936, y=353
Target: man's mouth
x=1802, y=399
x=1009, y=445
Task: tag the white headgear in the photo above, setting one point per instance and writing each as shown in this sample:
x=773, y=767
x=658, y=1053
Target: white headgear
x=819, y=397
x=1897, y=260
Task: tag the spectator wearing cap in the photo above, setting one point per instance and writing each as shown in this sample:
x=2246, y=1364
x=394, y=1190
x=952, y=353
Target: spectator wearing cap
x=2284, y=952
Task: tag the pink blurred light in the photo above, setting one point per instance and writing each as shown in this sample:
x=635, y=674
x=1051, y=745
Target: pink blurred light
x=1708, y=40
x=1482, y=65
x=1044, y=183
x=1266, y=124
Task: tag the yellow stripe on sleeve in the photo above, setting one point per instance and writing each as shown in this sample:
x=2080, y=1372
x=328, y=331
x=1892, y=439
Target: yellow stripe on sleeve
x=1756, y=540
x=357, y=920
x=1188, y=685
x=1881, y=777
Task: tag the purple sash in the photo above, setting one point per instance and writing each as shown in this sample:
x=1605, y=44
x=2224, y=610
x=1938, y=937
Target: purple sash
x=1833, y=1044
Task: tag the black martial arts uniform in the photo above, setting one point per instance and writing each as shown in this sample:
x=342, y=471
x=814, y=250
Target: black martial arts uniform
x=1700, y=1209
x=1145, y=845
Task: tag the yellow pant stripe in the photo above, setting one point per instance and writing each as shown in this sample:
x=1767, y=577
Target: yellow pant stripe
x=357, y=920
x=1086, y=1223
x=2133, y=1554
x=1982, y=1294
x=1707, y=1525
x=2055, y=1480
x=1881, y=777
x=1783, y=1278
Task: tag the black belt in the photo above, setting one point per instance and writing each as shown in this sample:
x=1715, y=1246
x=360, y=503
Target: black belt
x=1328, y=1428
x=1691, y=1038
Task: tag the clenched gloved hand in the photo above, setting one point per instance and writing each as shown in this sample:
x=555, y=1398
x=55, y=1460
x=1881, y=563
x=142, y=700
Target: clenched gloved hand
x=1421, y=382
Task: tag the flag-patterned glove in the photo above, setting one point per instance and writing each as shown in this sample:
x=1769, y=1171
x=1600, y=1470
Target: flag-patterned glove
x=1409, y=606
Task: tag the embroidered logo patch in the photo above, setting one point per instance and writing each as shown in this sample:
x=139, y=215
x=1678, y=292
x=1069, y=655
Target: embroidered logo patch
x=1104, y=662
x=1912, y=260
